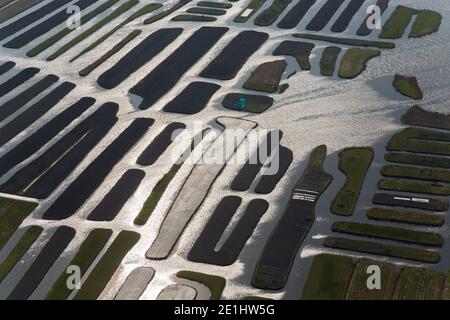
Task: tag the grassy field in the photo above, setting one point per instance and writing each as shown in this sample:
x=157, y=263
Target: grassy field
x=215, y=284
x=446, y=289
x=328, y=278
x=414, y=187
x=88, y=251
x=358, y=290
x=107, y=265
x=407, y=86
x=389, y=233
x=426, y=22
x=12, y=214
x=405, y=216
x=87, y=70
x=159, y=189
x=418, y=160
x=418, y=284
x=254, y=5
x=58, y=36
x=410, y=140
x=268, y=16
x=266, y=77
x=139, y=13
x=191, y=17
x=354, y=163
x=421, y=255
x=354, y=61
x=328, y=61
x=416, y=173
x=19, y=250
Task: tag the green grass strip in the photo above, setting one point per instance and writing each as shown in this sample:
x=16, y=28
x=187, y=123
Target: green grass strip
x=12, y=214
x=209, y=11
x=139, y=13
x=415, y=187
x=418, y=284
x=108, y=264
x=212, y=4
x=427, y=22
x=165, y=13
x=354, y=163
x=55, y=38
x=86, y=71
x=410, y=140
x=117, y=12
x=328, y=278
x=192, y=17
x=418, y=160
x=88, y=251
x=19, y=250
x=397, y=23
x=254, y=5
x=159, y=189
x=16, y=8
x=354, y=62
x=389, y=233
x=215, y=284
x=358, y=289
x=446, y=289
x=382, y=249
x=346, y=41
x=405, y=216
x=416, y=173
x=328, y=61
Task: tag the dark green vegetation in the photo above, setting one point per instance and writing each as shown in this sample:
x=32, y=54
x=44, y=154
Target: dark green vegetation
x=108, y=264
x=209, y=11
x=12, y=213
x=354, y=163
x=416, y=173
x=426, y=22
x=328, y=278
x=139, y=13
x=165, y=13
x=191, y=17
x=19, y=250
x=88, y=251
x=357, y=289
x=266, y=77
x=299, y=50
x=408, y=86
x=417, y=160
x=247, y=102
x=418, y=284
x=268, y=16
x=431, y=204
x=58, y=36
x=412, y=140
x=390, y=233
x=382, y=249
x=215, y=284
x=346, y=41
x=328, y=61
x=404, y=216
x=416, y=116
x=159, y=189
x=87, y=70
x=212, y=4
x=416, y=187
x=246, y=14
x=354, y=61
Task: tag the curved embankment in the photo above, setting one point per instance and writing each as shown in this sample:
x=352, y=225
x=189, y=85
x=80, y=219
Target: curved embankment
x=354, y=163
x=205, y=248
x=354, y=62
x=215, y=284
x=275, y=262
